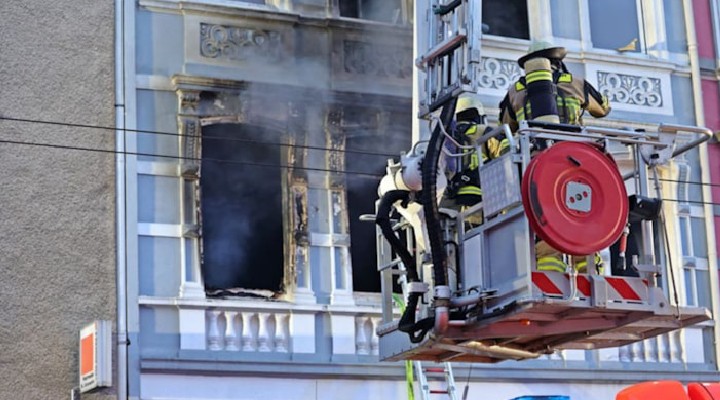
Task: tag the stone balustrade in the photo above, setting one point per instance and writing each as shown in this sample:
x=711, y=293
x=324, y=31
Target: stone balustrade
x=283, y=328
x=248, y=330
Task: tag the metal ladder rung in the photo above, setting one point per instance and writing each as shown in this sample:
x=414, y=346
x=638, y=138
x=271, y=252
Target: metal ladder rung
x=444, y=48
x=391, y=264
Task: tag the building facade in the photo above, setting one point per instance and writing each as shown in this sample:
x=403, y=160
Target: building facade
x=57, y=246
x=256, y=132
x=706, y=21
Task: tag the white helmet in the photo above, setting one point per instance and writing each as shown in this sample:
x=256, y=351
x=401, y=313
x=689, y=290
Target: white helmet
x=467, y=101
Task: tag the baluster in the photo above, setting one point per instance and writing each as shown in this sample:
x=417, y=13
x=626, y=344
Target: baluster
x=263, y=334
x=271, y=331
x=232, y=337
x=636, y=352
x=624, y=353
x=677, y=350
x=248, y=339
x=281, y=333
x=361, y=340
x=213, y=336
x=653, y=350
x=665, y=355
x=374, y=343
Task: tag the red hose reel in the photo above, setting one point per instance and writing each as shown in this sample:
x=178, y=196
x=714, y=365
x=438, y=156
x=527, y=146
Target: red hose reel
x=575, y=198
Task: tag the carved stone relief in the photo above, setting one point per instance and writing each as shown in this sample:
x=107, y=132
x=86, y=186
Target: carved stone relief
x=376, y=60
x=189, y=145
x=495, y=73
x=630, y=89
x=239, y=43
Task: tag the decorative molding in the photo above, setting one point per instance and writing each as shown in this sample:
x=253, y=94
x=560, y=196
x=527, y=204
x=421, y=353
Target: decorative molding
x=638, y=90
x=630, y=89
x=495, y=75
x=238, y=43
x=190, y=146
x=376, y=60
x=189, y=101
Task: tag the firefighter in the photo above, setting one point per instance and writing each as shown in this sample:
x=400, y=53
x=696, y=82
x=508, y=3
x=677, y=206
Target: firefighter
x=470, y=125
x=548, y=92
x=547, y=79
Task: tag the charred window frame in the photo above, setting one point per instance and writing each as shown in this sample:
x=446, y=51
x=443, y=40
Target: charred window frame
x=388, y=11
x=507, y=18
x=241, y=209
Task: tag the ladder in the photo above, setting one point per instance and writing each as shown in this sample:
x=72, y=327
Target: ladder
x=422, y=371
x=449, y=46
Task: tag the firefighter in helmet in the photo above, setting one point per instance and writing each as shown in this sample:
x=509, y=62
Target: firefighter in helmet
x=470, y=125
x=548, y=92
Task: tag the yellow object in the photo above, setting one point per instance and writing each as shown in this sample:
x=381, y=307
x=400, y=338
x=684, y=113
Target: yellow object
x=632, y=46
x=469, y=100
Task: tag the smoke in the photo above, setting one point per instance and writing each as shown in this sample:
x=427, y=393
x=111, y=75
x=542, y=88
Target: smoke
x=241, y=210
x=327, y=70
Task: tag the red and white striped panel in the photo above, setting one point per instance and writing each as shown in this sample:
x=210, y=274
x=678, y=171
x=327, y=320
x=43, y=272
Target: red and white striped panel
x=627, y=289
x=618, y=288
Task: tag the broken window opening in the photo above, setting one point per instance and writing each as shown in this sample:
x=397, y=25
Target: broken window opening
x=241, y=209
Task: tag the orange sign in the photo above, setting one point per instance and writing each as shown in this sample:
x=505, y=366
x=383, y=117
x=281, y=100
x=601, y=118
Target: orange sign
x=87, y=354
x=95, y=356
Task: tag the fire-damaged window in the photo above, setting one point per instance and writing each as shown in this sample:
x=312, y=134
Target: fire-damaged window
x=507, y=18
x=241, y=208
x=390, y=11
x=361, y=196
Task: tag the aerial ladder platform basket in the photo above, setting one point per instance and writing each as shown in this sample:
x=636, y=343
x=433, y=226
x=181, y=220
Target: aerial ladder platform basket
x=471, y=288
x=496, y=305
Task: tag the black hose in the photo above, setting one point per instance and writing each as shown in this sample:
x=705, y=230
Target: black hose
x=383, y=221
x=429, y=194
x=416, y=330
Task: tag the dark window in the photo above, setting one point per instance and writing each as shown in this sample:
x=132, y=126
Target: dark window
x=361, y=197
x=507, y=18
x=376, y=10
x=241, y=208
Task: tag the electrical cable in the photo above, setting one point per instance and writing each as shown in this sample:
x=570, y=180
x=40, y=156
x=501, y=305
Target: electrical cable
x=245, y=140
x=467, y=384
x=691, y=182
x=364, y=175
x=203, y=159
x=204, y=137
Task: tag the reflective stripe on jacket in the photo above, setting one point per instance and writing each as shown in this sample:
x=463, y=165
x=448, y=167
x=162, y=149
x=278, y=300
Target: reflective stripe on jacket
x=555, y=263
x=551, y=263
x=573, y=97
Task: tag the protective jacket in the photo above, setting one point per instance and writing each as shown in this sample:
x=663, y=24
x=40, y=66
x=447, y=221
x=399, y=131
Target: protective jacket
x=573, y=97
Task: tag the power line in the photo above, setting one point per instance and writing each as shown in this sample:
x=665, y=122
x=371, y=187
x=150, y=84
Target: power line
x=247, y=163
x=692, y=202
x=691, y=182
x=175, y=134
x=245, y=140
